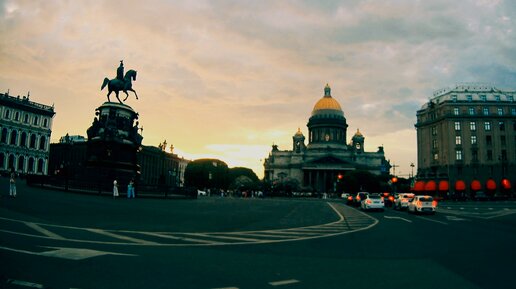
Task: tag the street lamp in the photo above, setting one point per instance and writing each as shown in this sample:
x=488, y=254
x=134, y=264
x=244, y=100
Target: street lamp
x=412, y=166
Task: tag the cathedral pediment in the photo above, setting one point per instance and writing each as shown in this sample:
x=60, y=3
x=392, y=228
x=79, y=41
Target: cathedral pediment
x=328, y=162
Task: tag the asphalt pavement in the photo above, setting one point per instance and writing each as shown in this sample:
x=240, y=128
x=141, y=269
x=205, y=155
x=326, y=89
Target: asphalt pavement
x=53, y=239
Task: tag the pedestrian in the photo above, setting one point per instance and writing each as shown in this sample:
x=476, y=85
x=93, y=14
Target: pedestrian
x=130, y=189
x=115, y=189
x=12, y=185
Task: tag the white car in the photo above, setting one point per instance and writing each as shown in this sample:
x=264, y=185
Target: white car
x=422, y=204
x=402, y=200
x=201, y=193
x=372, y=202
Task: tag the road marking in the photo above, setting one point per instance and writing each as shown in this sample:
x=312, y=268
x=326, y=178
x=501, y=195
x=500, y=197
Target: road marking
x=179, y=238
x=67, y=253
x=432, y=220
x=43, y=231
x=24, y=283
x=226, y=288
x=225, y=237
x=453, y=218
x=283, y=282
x=127, y=238
x=399, y=218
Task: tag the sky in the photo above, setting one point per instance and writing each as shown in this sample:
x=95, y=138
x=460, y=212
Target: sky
x=227, y=79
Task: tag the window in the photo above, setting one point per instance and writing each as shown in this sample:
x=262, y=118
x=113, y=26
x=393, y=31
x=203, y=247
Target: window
x=489, y=141
x=472, y=126
x=474, y=155
x=36, y=121
x=14, y=137
x=434, y=130
x=471, y=111
x=469, y=97
x=26, y=118
x=458, y=155
x=457, y=125
x=434, y=144
x=455, y=111
x=510, y=98
x=3, y=138
x=45, y=122
x=500, y=111
x=32, y=142
x=502, y=140
x=7, y=114
x=42, y=143
x=497, y=97
x=436, y=157
x=473, y=139
x=487, y=126
x=504, y=155
x=458, y=140
x=489, y=155
x=483, y=97
x=454, y=98
x=485, y=111
x=501, y=125
x=17, y=116
x=23, y=140
x=513, y=111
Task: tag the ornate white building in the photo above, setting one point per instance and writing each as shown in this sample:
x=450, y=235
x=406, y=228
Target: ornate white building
x=25, y=129
x=317, y=165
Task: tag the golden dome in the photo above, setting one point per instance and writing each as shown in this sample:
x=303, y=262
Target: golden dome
x=358, y=133
x=298, y=133
x=327, y=102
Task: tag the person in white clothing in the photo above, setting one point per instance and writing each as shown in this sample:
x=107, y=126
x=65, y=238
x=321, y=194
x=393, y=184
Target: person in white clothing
x=115, y=189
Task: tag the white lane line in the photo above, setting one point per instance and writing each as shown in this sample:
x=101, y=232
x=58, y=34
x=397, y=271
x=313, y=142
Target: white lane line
x=67, y=253
x=226, y=288
x=432, y=220
x=226, y=237
x=43, y=231
x=399, y=218
x=121, y=237
x=24, y=283
x=179, y=238
x=283, y=282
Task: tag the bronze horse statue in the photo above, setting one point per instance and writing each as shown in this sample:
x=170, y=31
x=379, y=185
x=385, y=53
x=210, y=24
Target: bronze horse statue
x=118, y=85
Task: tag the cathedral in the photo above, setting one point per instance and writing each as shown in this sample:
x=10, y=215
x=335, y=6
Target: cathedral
x=318, y=165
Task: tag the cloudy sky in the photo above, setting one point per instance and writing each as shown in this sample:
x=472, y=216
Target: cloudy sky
x=227, y=79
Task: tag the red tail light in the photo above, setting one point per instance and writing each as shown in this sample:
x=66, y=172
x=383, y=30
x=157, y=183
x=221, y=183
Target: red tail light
x=419, y=204
x=391, y=198
x=368, y=201
x=434, y=203
x=350, y=198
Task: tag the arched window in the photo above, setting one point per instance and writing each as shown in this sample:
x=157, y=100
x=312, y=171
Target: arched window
x=21, y=163
x=7, y=113
x=40, y=166
x=14, y=137
x=30, y=167
x=42, y=143
x=36, y=120
x=45, y=122
x=23, y=140
x=10, y=162
x=4, y=136
x=17, y=116
x=26, y=118
x=33, y=141
x=2, y=161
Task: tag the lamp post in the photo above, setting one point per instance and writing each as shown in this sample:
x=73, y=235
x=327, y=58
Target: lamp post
x=412, y=167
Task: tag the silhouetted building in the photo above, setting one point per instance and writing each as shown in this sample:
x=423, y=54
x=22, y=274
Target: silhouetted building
x=25, y=128
x=466, y=139
x=316, y=166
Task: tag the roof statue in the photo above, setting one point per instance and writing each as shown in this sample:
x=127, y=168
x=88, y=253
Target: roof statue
x=120, y=83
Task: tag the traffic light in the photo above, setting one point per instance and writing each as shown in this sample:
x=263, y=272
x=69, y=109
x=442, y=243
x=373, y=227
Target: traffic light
x=394, y=180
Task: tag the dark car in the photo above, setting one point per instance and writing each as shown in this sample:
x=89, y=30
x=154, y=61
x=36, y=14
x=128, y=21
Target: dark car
x=359, y=197
x=388, y=199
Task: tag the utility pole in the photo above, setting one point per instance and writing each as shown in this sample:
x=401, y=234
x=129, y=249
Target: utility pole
x=394, y=166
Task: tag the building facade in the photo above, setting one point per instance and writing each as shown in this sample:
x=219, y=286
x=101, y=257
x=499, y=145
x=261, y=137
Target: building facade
x=317, y=165
x=466, y=139
x=25, y=129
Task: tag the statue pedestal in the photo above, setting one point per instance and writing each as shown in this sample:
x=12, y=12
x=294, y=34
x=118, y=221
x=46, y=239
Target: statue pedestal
x=113, y=143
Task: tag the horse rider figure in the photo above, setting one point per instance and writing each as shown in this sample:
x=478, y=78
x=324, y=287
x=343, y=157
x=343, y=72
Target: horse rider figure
x=120, y=71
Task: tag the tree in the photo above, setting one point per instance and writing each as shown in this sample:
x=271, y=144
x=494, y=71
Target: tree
x=207, y=173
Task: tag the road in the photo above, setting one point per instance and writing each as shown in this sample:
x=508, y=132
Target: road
x=52, y=239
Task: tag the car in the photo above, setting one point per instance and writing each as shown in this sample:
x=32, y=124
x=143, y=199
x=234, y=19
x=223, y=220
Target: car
x=422, y=204
x=401, y=201
x=345, y=196
x=388, y=199
x=201, y=193
x=359, y=197
x=372, y=202
x=349, y=200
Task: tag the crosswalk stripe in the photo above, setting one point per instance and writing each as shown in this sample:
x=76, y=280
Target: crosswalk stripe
x=225, y=237
x=43, y=231
x=122, y=237
x=180, y=238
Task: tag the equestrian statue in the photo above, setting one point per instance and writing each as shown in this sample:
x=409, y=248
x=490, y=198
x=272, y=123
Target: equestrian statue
x=120, y=83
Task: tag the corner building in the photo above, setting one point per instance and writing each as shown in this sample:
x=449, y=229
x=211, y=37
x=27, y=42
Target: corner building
x=25, y=129
x=466, y=140
x=316, y=166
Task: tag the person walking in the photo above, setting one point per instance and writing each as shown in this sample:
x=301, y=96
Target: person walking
x=130, y=189
x=12, y=185
x=115, y=189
